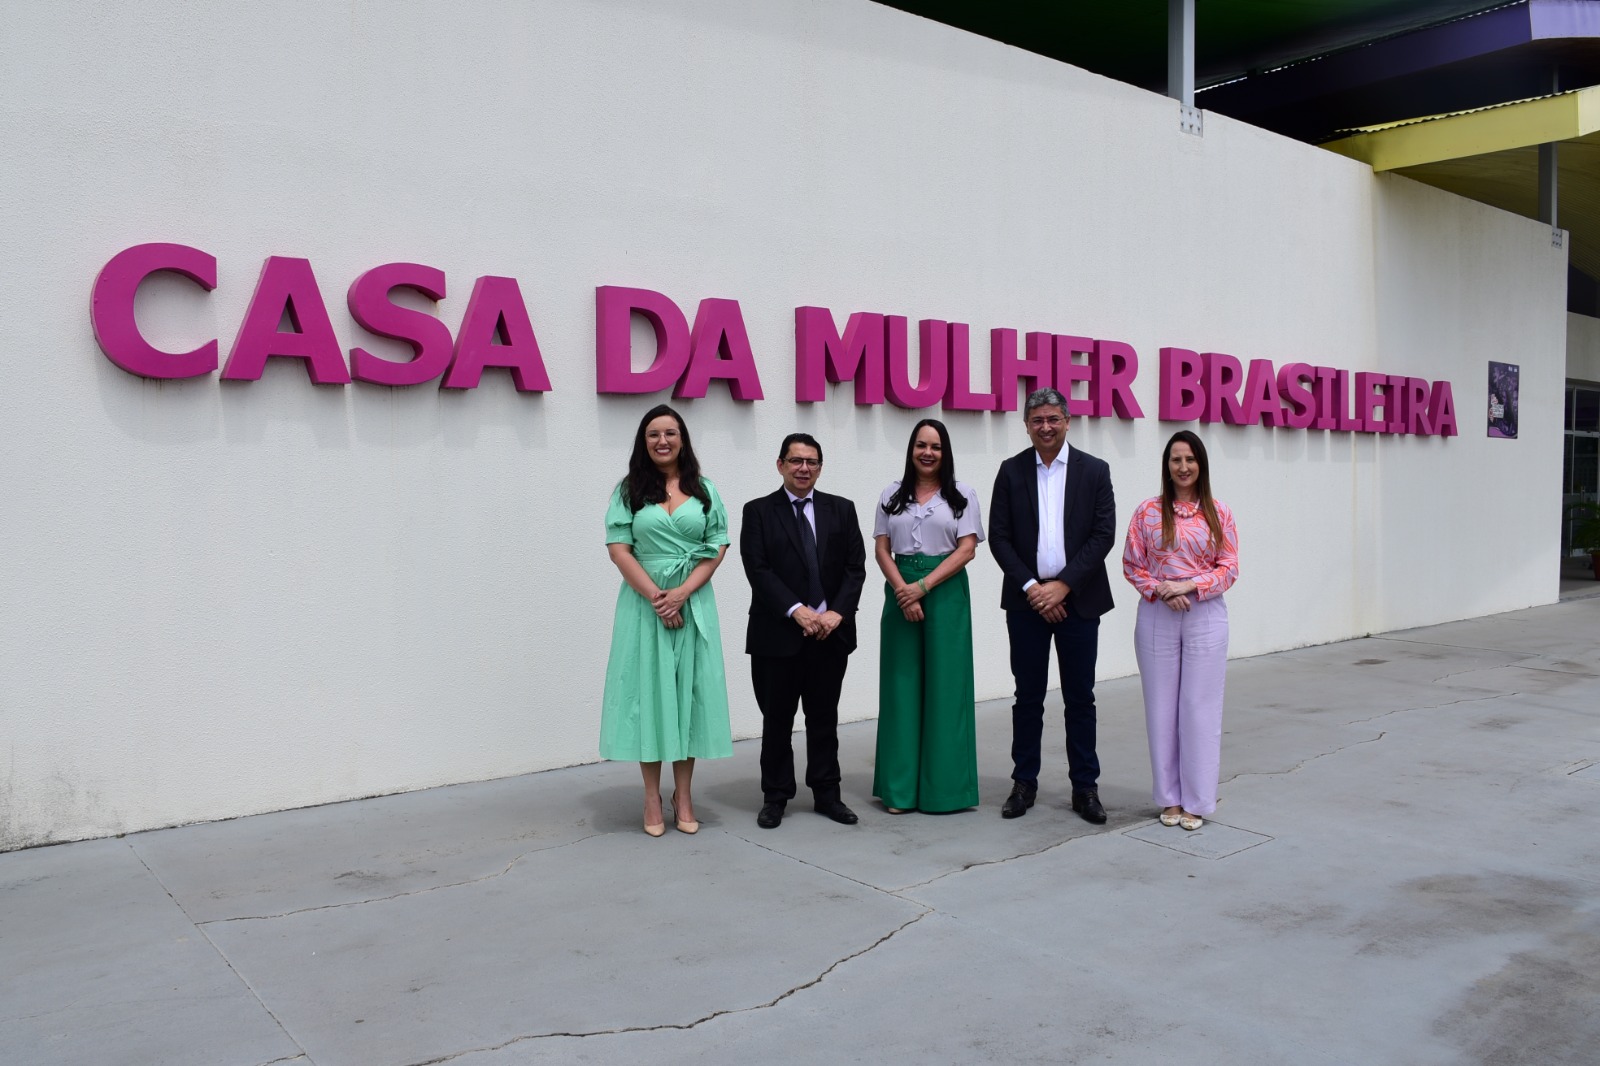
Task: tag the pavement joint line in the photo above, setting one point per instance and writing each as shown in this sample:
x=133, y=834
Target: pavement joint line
x=397, y=895
x=1481, y=669
x=1442, y=644
x=199, y=928
x=621, y=1030
x=824, y=869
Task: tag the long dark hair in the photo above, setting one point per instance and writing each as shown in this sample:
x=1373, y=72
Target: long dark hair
x=646, y=483
x=1202, y=486
x=947, y=473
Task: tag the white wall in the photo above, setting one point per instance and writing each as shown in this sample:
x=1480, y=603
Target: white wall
x=1583, y=348
x=228, y=598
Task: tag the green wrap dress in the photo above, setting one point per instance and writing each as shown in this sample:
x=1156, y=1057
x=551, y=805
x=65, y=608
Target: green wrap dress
x=666, y=696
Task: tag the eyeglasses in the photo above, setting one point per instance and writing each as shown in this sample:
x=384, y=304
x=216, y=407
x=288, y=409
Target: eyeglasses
x=1039, y=423
x=798, y=462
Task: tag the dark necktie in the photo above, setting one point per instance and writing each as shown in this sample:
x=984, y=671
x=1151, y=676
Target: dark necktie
x=808, y=552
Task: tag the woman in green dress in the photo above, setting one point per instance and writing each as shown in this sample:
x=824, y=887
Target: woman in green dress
x=666, y=697
x=927, y=529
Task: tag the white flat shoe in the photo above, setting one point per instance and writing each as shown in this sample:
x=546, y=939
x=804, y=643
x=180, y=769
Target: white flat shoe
x=1191, y=821
x=1170, y=819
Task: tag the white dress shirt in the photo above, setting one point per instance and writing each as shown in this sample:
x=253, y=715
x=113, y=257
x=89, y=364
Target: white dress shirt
x=1052, y=505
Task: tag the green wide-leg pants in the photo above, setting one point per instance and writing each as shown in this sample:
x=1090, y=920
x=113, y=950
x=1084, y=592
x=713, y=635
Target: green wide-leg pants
x=927, y=740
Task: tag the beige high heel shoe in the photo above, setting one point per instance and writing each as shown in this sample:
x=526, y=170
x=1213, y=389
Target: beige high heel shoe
x=683, y=827
x=656, y=830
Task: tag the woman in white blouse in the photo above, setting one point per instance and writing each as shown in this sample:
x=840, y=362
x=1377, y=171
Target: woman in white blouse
x=927, y=529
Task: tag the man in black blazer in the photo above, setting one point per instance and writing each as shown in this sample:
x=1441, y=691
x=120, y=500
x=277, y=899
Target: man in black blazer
x=1052, y=522
x=807, y=563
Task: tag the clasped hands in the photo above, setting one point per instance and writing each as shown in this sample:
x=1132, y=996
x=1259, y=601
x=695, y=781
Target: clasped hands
x=1049, y=598
x=1175, y=594
x=909, y=599
x=668, y=605
x=818, y=625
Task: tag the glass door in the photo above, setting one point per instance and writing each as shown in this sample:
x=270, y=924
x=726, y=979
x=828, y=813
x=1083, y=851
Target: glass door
x=1580, y=468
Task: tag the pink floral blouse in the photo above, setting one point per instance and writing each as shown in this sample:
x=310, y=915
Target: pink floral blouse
x=1145, y=563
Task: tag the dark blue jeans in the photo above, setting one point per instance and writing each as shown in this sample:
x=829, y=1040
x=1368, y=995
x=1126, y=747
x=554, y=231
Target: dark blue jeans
x=1077, y=643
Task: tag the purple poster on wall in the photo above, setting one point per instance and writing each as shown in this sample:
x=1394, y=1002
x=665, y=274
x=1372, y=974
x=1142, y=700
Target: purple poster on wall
x=1503, y=399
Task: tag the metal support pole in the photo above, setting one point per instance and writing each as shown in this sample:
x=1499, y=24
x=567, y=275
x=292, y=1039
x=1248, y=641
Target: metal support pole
x=1180, y=63
x=1180, y=51
x=1547, y=183
x=1549, y=174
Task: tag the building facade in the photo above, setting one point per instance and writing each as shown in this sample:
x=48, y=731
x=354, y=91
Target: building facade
x=244, y=590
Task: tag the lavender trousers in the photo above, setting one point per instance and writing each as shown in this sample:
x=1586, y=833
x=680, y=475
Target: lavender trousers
x=1183, y=662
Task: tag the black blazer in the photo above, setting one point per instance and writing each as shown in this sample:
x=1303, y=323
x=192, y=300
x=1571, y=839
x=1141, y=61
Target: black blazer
x=1090, y=531
x=769, y=545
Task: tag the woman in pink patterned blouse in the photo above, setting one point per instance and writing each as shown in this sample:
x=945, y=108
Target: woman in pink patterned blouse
x=1182, y=554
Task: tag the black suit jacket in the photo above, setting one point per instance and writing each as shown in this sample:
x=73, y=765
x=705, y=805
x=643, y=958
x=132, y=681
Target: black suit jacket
x=769, y=545
x=1090, y=525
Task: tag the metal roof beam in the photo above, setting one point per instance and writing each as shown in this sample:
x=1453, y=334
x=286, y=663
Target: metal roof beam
x=1492, y=129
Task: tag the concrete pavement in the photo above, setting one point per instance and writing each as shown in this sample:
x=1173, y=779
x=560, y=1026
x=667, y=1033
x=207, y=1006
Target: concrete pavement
x=1404, y=869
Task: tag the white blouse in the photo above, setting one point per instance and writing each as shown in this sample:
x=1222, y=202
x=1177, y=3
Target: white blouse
x=928, y=528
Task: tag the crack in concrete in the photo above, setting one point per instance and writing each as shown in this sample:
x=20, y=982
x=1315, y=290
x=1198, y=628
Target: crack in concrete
x=684, y=1026
x=1435, y=706
x=986, y=862
x=248, y=987
x=397, y=895
x=899, y=893
x=1483, y=669
x=1306, y=761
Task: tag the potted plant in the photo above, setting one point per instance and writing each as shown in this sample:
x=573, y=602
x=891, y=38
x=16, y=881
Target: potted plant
x=1586, y=531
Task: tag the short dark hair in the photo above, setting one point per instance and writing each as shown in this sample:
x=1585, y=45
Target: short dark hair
x=799, y=438
x=1045, y=397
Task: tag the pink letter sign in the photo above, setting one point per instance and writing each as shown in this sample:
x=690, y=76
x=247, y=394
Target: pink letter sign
x=1182, y=396
x=1115, y=365
x=933, y=357
x=287, y=287
x=719, y=347
x=614, y=308
x=958, y=394
x=1071, y=370
x=496, y=331
x=429, y=338
x=111, y=310
x=821, y=355
x=1006, y=371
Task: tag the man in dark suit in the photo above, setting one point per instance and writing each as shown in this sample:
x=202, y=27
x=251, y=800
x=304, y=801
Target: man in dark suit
x=807, y=563
x=1052, y=522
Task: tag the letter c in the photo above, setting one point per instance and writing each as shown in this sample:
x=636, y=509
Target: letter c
x=111, y=310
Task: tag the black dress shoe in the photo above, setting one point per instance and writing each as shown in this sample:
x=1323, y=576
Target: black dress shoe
x=836, y=810
x=1087, y=804
x=771, y=816
x=1021, y=798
